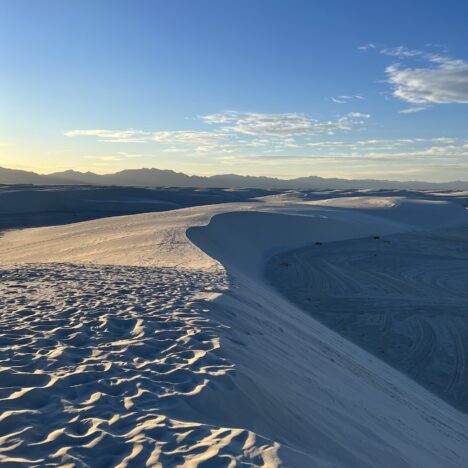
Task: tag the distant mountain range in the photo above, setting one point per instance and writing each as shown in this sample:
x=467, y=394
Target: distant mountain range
x=166, y=178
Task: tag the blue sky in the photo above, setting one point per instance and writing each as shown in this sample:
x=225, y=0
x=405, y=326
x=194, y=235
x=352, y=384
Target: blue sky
x=264, y=87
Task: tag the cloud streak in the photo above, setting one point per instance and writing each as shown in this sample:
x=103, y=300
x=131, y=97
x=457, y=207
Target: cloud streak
x=412, y=110
x=122, y=136
x=444, y=151
x=346, y=99
x=446, y=83
x=282, y=125
x=232, y=131
x=437, y=78
x=366, y=47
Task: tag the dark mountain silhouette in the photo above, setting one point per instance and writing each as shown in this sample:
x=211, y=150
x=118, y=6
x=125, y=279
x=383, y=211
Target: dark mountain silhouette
x=15, y=176
x=166, y=178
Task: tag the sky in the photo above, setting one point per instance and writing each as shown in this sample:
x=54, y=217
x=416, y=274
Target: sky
x=285, y=88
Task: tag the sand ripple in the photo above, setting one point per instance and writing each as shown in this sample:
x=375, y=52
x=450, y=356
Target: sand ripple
x=98, y=364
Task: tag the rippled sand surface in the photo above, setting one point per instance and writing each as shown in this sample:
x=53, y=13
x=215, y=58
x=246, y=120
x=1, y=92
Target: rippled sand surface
x=96, y=364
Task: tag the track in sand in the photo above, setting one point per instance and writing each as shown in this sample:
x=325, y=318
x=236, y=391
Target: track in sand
x=404, y=298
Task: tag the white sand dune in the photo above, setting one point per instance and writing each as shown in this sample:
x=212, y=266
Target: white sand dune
x=126, y=343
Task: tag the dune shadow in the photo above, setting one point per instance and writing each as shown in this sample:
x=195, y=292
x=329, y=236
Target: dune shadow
x=403, y=298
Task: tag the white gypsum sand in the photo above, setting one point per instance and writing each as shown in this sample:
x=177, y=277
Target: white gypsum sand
x=125, y=343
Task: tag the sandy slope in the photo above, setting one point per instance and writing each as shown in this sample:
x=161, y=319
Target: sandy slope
x=177, y=364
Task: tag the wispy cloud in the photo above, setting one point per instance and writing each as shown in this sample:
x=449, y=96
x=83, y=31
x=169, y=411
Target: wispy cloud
x=283, y=125
x=434, y=151
x=187, y=136
x=123, y=136
x=401, y=52
x=345, y=99
x=436, y=79
x=379, y=144
x=367, y=47
x=445, y=83
x=140, y=136
x=412, y=110
x=231, y=131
